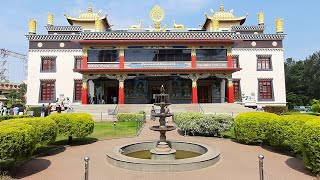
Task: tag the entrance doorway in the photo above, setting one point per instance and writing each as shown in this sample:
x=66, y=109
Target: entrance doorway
x=203, y=94
x=111, y=92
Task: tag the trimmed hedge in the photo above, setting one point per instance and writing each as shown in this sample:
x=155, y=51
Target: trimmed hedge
x=2, y=118
x=74, y=125
x=123, y=117
x=251, y=127
x=45, y=129
x=17, y=142
x=280, y=110
x=310, y=138
x=36, y=111
x=200, y=124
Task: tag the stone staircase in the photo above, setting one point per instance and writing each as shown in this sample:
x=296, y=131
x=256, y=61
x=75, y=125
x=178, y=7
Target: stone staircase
x=99, y=112
x=230, y=109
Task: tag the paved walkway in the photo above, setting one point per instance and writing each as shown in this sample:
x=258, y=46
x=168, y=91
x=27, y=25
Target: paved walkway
x=238, y=162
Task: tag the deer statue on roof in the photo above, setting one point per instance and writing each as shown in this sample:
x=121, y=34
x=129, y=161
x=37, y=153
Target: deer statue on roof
x=139, y=26
x=177, y=26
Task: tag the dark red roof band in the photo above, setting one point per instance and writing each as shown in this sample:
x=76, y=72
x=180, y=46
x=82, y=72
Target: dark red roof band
x=157, y=41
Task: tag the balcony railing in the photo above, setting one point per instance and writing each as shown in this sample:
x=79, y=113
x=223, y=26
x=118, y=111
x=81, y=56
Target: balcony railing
x=212, y=64
x=103, y=65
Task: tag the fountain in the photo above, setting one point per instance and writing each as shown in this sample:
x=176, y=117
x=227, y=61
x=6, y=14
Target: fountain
x=162, y=155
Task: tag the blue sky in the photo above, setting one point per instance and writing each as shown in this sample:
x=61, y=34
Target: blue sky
x=301, y=20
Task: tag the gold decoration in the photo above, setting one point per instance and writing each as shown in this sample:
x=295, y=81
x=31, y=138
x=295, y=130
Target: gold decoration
x=138, y=26
x=50, y=19
x=221, y=8
x=193, y=51
x=279, y=25
x=215, y=25
x=121, y=52
x=98, y=25
x=157, y=15
x=194, y=84
x=230, y=83
x=178, y=26
x=121, y=84
x=90, y=8
x=260, y=18
x=32, y=26
x=229, y=51
x=84, y=85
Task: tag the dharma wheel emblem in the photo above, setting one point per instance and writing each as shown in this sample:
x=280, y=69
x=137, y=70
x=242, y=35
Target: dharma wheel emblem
x=157, y=15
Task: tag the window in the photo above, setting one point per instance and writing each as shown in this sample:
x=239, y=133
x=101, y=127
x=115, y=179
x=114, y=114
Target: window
x=103, y=55
x=237, y=90
x=78, y=63
x=264, y=63
x=48, y=64
x=47, y=91
x=77, y=90
x=235, y=61
x=211, y=55
x=150, y=55
x=265, y=90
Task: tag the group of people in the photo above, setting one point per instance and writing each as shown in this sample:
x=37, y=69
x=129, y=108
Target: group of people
x=100, y=99
x=61, y=104
x=5, y=111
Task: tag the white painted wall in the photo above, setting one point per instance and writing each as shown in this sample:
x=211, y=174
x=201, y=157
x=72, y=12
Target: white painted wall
x=249, y=75
x=64, y=75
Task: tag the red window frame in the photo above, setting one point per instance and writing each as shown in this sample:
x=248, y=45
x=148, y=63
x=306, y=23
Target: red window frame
x=235, y=62
x=264, y=63
x=236, y=87
x=47, y=90
x=78, y=63
x=265, y=90
x=77, y=90
x=48, y=64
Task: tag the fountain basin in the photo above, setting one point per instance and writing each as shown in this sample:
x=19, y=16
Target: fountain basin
x=162, y=128
x=207, y=156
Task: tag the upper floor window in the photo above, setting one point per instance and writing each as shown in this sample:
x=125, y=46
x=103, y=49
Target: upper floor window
x=77, y=62
x=211, y=55
x=103, y=55
x=48, y=64
x=47, y=90
x=265, y=90
x=264, y=62
x=235, y=61
x=151, y=55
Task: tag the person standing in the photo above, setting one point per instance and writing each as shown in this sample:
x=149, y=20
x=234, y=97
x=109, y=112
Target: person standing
x=115, y=100
x=4, y=111
x=43, y=110
x=1, y=106
x=16, y=110
x=49, y=109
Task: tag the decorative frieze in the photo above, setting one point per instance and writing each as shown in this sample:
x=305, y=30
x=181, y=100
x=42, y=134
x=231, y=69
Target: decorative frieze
x=55, y=50
x=64, y=28
x=259, y=36
x=102, y=65
x=258, y=49
x=248, y=28
x=222, y=64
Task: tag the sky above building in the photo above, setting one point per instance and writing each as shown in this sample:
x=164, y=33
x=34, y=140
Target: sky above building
x=301, y=20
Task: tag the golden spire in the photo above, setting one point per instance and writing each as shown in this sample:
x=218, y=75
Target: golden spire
x=50, y=19
x=215, y=25
x=260, y=18
x=221, y=8
x=90, y=8
x=279, y=25
x=32, y=26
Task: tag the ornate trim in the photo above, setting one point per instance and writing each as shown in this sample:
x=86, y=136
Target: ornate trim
x=54, y=37
x=265, y=78
x=257, y=49
x=47, y=80
x=48, y=57
x=64, y=28
x=260, y=36
x=55, y=50
x=78, y=57
x=235, y=55
x=264, y=55
x=248, y=28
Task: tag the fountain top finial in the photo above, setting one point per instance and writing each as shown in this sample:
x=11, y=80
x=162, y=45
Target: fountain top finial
x=162, y=89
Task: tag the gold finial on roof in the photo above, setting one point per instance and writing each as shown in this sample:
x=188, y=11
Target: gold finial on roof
x=50, y=19
x=32, y=26
x=157, y=15
x=221, y=8
x=90, y=8
x=260, y=18
x=279, y=25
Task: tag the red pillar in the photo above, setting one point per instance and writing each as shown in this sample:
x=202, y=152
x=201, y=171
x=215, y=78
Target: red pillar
x=230, y=92
x=194, y=92
x=229, y=60
x=84, y=95
x=121, y=59
x=121, y=92
x=193, y=58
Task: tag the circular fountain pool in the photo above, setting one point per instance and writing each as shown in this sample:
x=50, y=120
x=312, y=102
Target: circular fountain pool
x=189, y=156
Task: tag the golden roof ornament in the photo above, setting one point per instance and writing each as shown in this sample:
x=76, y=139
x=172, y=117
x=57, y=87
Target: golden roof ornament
x=178, y=26
x=221, y=8
x=50, y=19
x=90, y=10
x=279, y=25
x=32, y=26
x=137, y=26
x=157, y=15
x=260, y=18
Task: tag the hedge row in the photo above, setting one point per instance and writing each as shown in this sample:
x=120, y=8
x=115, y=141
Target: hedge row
x=296, y=133
x=19, y=137
x=200, y=124
x=2, y=118
x=124, y=117
x=280, y=110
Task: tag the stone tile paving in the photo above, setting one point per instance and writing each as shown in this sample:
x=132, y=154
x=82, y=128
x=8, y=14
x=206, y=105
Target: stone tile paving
x=238, y=162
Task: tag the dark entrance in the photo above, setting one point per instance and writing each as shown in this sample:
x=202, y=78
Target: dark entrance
x=111, y=93
x=203, y=94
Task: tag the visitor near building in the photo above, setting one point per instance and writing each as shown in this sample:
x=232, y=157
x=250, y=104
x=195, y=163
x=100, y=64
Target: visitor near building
x=115, y=99
x=49, y=109
x=16, y=110
x=43, y=110
x=1, y=106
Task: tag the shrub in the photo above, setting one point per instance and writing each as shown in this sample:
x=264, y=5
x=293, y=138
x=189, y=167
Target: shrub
x=285, y=132
x=251, y=127
x=45, y=129
x=74, y=125
x=199, y=124
x=311, y=145
x=36, y=111
x=13, y=117
x=123, y=117
x=276, y=109
x=17, y=143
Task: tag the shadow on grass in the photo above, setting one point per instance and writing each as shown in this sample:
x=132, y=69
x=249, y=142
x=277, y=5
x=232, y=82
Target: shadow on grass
x=76, y=141
x=31, y=167
x=298, y=165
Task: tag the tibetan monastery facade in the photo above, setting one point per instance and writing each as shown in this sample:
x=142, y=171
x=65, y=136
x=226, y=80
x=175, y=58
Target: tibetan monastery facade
x=223, y=61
